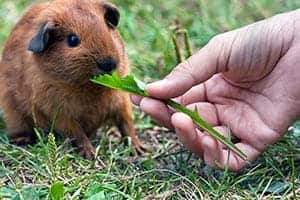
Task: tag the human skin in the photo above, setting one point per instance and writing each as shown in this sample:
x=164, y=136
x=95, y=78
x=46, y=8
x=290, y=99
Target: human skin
x=246, y=80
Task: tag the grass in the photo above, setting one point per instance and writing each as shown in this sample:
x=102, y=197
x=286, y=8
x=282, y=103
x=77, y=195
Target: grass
x=51, y=166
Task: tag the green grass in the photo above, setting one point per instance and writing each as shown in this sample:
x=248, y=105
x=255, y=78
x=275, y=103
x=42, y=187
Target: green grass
x=170, y=172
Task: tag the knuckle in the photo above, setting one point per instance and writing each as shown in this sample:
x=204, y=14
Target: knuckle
x=218, y=40
x=221, y=46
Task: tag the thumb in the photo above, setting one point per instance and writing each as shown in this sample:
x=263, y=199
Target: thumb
x=210, y=60
x=248, y=53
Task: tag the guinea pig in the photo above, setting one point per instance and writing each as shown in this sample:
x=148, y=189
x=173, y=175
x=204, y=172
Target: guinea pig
x=47, y=63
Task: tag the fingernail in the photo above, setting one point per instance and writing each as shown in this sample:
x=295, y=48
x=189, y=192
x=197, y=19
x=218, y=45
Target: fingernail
x=136, y=100
x=157, y=84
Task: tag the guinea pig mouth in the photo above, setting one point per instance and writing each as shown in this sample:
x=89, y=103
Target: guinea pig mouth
x=98, y=72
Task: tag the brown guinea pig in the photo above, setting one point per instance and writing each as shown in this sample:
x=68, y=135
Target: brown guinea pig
x=46, y=65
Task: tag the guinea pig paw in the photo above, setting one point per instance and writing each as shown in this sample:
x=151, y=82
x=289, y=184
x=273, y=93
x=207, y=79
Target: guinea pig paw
x=88, y=152
x=141, y=149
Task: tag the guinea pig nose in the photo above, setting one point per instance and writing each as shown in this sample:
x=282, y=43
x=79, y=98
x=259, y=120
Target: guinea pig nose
x=107, y=64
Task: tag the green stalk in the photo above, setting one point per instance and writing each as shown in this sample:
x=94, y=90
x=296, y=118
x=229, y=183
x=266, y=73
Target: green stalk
x=187, y=44
x=179, y=56
x=205, y=126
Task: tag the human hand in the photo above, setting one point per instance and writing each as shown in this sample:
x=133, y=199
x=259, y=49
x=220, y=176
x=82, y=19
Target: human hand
x=247, y=80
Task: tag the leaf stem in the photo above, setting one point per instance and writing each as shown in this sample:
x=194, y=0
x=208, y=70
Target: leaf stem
x=207, y=127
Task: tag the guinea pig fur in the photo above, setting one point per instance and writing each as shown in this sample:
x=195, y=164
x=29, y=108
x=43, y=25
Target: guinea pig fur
x=51, y=54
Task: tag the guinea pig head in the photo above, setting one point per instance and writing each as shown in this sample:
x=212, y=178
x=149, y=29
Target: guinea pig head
x=77, y=39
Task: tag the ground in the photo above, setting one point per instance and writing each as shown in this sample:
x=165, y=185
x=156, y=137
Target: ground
x=51, y=168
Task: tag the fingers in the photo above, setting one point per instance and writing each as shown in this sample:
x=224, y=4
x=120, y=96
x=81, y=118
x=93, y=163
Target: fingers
x=206, y=111
x=162, y=114
x=234, y=162
x=157, y=110
x=136, y=100
x=197, y=69
x=186, y=133
x=213, y=152
x=244, y=55
x=218, y=157
x=197, y=93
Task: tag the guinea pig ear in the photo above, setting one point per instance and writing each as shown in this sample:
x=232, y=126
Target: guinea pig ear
x=111, y=15
x=40, y=41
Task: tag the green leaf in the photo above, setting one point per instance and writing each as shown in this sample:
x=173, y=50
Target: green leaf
x=128, y=83
x=98, y=196
x=133, y=85
x=57, y=191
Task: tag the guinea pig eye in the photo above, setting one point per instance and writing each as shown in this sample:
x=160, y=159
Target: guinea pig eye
x=73, y=40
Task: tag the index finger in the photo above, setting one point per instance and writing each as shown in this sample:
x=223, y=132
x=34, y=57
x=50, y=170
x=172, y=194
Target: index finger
x=210, y=60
